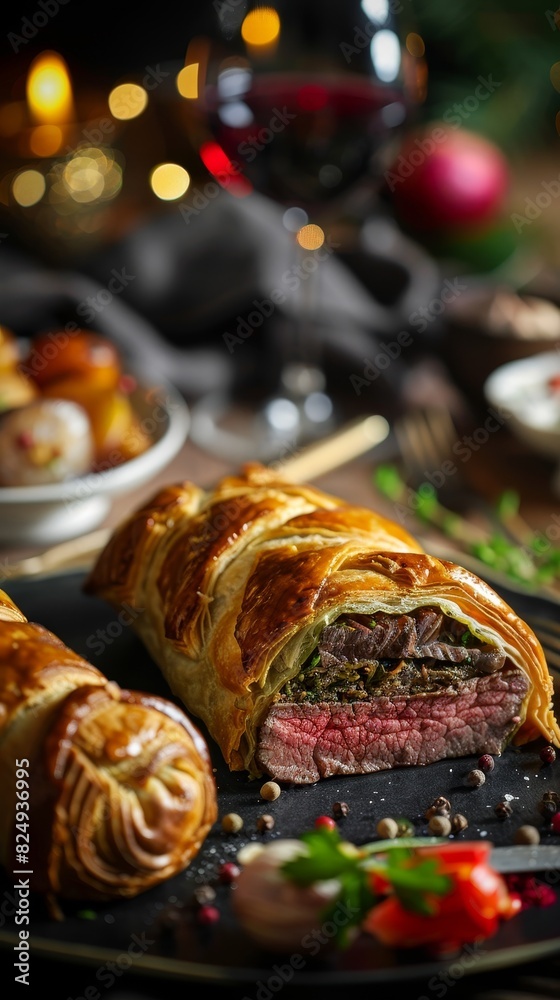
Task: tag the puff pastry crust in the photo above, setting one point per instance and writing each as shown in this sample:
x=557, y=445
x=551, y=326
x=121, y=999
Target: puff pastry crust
x=122, y=792
x=238, y=582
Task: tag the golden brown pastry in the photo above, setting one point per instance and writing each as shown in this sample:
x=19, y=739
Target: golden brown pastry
x=317, y=638
x=121, y=792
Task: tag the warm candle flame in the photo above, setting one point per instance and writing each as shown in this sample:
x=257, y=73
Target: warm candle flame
x=49, y=91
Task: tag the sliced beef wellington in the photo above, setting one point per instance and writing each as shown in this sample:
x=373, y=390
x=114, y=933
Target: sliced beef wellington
x=314, y=637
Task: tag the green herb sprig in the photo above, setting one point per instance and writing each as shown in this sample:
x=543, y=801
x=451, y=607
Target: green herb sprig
x=510, y=546
x=329, y=857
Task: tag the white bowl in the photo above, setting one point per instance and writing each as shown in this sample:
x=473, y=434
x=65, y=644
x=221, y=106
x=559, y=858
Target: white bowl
x=522, y=389
x=46, y=515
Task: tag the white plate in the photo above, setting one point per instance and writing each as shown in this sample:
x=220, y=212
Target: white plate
x=45, y=515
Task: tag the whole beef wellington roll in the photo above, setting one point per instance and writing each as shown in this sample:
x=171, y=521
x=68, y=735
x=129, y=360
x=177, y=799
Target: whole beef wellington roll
x=316, y=638
x=108, y=791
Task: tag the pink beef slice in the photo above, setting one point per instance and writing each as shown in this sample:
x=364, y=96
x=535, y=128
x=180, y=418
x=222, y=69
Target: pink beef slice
x=301, y=743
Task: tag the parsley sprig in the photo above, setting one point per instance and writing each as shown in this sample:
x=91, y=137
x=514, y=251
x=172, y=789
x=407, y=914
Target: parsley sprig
x=508, y=545
x=414, y=880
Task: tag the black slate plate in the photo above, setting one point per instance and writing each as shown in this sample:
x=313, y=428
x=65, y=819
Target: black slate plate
x=156, y=933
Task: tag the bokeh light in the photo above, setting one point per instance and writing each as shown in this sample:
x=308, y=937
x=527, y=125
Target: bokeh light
x=187, y=81
x=46, y=140
x=127, y=101
x=90, y=175
x=310, y=237
x=28, y=188
x=415, y=44
x=261, y=27
x=555, y=76
x=169, y=181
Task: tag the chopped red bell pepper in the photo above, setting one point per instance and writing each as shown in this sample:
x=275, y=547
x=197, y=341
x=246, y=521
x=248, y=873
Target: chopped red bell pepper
x=472, y=910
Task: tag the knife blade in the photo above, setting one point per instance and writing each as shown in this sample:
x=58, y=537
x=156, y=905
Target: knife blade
x=526, y=858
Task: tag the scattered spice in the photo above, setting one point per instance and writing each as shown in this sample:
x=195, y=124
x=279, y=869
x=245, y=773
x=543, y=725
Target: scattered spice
x=440, y=826
x=406, y=828
x=232, y=823
x=530, y=891
x=387, y=828
x=340, y=810
x=548, y=811
x=527, y=834
x=475, y=778
x=503, y=810
x=228, y=872
x=439, y=807
x=265, y=823
x=270, y=791
x=208, y=915
x=548, y=755
x=204, y=894
x=459, y=823
x=553, y=799
x=486, y=762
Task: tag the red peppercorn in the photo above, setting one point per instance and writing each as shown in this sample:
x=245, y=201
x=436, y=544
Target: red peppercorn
x=228, y=872
x=548, y=755
x=486, y=762
x=208, y=915
x=325, y=823
x=555, y=822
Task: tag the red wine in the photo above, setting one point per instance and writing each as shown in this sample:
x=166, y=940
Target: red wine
x=302, y=139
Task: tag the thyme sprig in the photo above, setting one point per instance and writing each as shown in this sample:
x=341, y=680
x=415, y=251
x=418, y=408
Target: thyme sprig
x=507, y=544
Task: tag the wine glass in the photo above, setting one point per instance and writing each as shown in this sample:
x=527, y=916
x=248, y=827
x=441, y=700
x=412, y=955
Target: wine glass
x=302, y=103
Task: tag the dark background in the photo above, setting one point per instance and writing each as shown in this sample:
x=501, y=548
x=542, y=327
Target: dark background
x=517, y=40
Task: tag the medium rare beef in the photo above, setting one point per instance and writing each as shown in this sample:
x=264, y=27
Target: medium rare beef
x=402, y=636
x=301, y=743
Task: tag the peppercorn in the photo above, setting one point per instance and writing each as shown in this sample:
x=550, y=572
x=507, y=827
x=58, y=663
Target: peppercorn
x=549, y=805
x=325, y=823
x=548, y=755
x=208, y=915
x=486, y=762
x=440, y=826
x=547, y=811
x=439, y=807
x=406, y=828
x=228, y=872
x=340, y=810
x=232, y=823
x=270, y=791
x=432, y=811
x=388, y=828
x=459, y=823
x=527, y=835
x=475, y=778
x=204, y=894
x=503, y=810
x=265, y=823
